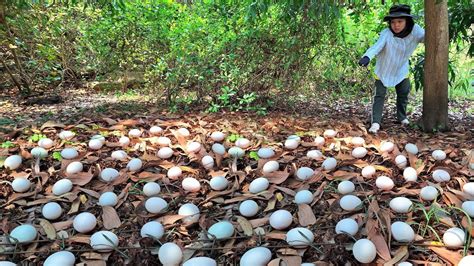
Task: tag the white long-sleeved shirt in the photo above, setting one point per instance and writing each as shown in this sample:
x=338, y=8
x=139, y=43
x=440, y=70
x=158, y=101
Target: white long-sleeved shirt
x=393, y=53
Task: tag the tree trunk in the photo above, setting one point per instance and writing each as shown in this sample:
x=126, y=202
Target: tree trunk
x=435, y=92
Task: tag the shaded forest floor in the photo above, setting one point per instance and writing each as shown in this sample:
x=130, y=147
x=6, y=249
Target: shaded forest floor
x=88, y=113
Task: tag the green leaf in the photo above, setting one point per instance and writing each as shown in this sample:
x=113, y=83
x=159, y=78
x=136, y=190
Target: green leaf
x=57, y=156
x=36, y=137
x=254, y=155
x=233, y=137
x=7, y=144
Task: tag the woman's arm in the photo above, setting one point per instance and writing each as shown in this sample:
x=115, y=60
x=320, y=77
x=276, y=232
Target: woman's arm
x=421, y=34
x=378, y=46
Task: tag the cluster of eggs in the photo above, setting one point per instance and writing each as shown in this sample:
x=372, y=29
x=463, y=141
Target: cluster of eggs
x=298, y=237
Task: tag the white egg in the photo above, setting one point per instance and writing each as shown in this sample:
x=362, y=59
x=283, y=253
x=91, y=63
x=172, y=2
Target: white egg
x=66, y=135
x=62, y=186
x=174, y=172
x=200, y=261
x=359, y=152
x=384, y=183
x=12, y=162
x=51, y=211
x=190, y=211
x=62, y=258
x=151, y=189
x=184, y=132
x=304, y=173
x=468, y=207
x=152, y=229
x=265, y=153
x=258, y=185
x=295, y=137
x=429, y=193
x=242, y=143
x=170, y=254
x=69, y=153
x=39, y=152
x=119, y=155
x=24, y=233
x=99, y=138
x=401, y=161
x=74, y=168
x=156, y=130
x=163, y=141
x=330, y=133
x=217, y=136
x=329, y=164
x=307, y=264
x=218, y=148
x=104, y=241
x=134, y=133
x=304, y=197
x=364, y=251
x=108, y=199
x=350, y=202
x=348, y=226
x=258, y=256
x=220, y=230
x=345, y=187
x=441, y=175
x=84, y=222
x=207, y=162
x=314, y=154
x=410, y=174
x=95, y=144
x=21, y=184
x=248, y=208
x=469, y=188
x=219, y=183
x=299, y=237
x=281, y=219
x=193, y=147
x=291, y=144
x=319, y=141
x=236, y=152
x=368, y=171
x=191, y=184
x=358, y=141
x=109, y=174
x=270, y=166
x=387, y=146
x=124, y=141
x=438, y=155
x=134, y=164
x=411, y=148
x=156, y=205
x=404, y=263
x=467, y=261
x=400, y=204
x=165, y=153
x=402, y=232
x=454, y=237
x=45, y=143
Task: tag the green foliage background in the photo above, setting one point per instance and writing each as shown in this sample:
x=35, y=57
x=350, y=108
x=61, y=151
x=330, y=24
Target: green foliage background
x=222, y=54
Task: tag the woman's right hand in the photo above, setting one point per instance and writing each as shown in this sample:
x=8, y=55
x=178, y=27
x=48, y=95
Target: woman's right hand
x=364, y=61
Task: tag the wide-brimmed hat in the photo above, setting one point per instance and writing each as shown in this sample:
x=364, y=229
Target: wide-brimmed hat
x=399, y=11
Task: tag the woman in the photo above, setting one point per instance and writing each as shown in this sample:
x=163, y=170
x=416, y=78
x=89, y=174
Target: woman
x=395, y=45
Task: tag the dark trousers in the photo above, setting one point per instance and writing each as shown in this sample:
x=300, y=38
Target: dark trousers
x=402, y=88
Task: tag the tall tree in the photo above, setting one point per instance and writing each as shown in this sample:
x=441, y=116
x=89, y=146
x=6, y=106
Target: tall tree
x=435, y=92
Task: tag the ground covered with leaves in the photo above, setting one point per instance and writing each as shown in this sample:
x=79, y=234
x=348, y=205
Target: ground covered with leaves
x=428, y=219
